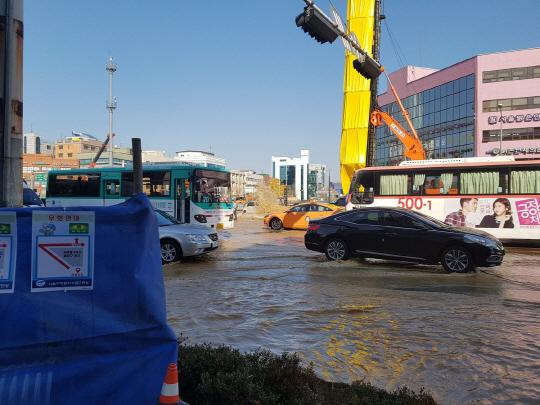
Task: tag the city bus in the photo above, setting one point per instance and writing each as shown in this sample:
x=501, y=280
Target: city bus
x=191, y=193
x=500, y=196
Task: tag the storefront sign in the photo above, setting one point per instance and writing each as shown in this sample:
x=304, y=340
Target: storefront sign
x=509, y=119
x=497, y=151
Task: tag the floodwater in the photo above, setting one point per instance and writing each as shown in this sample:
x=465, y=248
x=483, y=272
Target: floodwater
x=466, y=338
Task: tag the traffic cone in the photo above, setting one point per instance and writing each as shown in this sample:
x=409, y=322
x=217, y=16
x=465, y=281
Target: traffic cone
x=169, y=391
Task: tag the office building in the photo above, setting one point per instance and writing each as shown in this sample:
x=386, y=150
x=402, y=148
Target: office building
x=462, y=110
x=206, y=159
x=293, y=172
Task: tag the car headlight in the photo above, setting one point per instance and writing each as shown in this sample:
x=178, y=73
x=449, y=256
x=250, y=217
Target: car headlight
x=482, y=241
x=197, y=238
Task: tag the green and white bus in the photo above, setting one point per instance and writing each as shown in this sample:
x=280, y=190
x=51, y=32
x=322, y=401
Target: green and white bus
x=191, y=193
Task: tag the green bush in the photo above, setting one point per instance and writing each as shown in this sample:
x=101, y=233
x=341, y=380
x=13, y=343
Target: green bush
x=221, y=376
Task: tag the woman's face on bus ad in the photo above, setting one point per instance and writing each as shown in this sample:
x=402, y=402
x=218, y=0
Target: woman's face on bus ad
x=499, y=208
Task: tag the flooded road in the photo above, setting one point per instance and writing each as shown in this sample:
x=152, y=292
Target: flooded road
x=467, y=338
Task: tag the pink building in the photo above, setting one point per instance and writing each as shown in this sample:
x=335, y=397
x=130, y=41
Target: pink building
x=459, y=111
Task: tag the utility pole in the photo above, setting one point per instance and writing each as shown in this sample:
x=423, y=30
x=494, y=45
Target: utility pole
x=111, y=105
x=329, y=199
x=11, y=72
x=374, y=85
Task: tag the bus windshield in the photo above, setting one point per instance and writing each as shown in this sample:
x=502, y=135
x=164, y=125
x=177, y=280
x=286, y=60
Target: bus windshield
x=212, y=187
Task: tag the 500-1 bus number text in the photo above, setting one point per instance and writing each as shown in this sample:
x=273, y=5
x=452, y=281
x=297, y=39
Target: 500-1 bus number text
x=414, y=203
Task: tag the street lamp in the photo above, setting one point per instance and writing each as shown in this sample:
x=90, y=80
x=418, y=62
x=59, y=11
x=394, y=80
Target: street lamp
x=500, y=106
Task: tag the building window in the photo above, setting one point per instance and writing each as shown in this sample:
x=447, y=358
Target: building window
x=511, y=104
x=60, y=146
x=443, y=118
x=70, y=154
x=511, y=134
x=503, y=75
x=60, y=155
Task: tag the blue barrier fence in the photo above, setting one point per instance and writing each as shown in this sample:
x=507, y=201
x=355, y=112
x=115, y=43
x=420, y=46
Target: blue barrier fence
x=107, y=345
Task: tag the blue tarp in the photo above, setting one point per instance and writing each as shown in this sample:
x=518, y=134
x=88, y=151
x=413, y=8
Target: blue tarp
x=109, y=345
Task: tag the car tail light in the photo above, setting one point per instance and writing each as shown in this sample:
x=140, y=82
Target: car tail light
x=313, y=227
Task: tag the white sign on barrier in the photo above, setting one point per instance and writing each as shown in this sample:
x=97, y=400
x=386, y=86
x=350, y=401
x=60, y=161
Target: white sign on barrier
x=62, y=250
x=8, y=251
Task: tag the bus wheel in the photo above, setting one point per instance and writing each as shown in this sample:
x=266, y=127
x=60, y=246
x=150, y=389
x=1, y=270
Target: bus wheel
x=456, y=259
x=170, y=251
x=276, y=224
x=336, y=249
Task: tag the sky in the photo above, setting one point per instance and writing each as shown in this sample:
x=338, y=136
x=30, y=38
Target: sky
x=236, y=78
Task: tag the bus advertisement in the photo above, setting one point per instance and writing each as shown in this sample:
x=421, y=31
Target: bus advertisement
x=501, y=197
x=190, y=193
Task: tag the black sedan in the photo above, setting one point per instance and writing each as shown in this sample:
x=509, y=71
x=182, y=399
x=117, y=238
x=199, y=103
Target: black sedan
x=401, y=234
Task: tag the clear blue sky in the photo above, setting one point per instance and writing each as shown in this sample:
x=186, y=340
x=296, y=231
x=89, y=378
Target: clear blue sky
x=235, y=76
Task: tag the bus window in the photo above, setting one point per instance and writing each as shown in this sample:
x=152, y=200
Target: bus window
x=157, y=183
x=128, y=186
x=525, y=181
x=419, y=180
x=362, y=187
x=486, y=182
x=112, y=187
x=212, y=186
x=433, y=183
x=503, y=183
x=74, y=185
x=394, y=184
x=364, y=181
x=449, y=183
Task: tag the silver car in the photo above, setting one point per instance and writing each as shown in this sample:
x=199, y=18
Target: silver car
x=179, y=239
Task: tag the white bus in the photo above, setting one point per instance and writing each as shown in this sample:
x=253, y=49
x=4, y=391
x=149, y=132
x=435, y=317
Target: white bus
x=190, y=193
x=500, y=196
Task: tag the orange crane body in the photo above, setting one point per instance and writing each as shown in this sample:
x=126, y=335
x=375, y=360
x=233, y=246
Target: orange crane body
x=413, y=147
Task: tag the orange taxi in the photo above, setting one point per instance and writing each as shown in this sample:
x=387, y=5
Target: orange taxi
x=298, y=217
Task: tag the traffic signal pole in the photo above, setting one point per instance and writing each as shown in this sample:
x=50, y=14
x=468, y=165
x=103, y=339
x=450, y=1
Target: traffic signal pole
x=321, y=27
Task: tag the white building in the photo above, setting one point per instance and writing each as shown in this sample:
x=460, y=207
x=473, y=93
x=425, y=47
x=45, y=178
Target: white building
x=293, y=173
x=245, y=182
x=33, y=143
x=155, y=156
x=206, y=159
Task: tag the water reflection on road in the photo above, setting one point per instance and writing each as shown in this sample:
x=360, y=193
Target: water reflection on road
x=467, y=338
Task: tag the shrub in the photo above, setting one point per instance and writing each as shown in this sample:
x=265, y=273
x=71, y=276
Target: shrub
x=221, y=376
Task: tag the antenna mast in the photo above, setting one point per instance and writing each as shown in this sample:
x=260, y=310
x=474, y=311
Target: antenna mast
x=111, y=105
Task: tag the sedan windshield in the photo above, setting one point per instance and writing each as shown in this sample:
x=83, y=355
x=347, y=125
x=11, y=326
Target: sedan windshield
x=165, y=219
x=433, y=220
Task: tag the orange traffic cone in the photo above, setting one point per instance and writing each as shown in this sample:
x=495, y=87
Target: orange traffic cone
x=169, y=391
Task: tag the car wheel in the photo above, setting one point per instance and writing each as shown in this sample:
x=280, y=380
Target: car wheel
x=276, y=224
x=456, y=259
x=336, y=249
x=170, y=251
